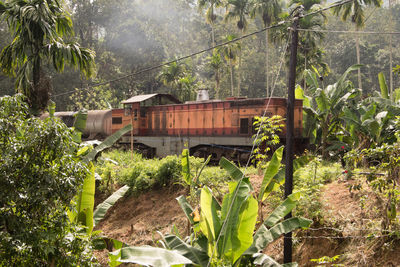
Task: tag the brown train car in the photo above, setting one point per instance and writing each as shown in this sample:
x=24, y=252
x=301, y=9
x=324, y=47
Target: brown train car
x=163, y=126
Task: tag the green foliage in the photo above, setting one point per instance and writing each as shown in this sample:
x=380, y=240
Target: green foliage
x=328, y=260
x=309, y=181
x=40, y=174
x=149, y=256
x=225, y=231
x=268, y=137
x=140, y=174
x=386, y=158
x=103, y=207
x=38, y=29
x=324, y=116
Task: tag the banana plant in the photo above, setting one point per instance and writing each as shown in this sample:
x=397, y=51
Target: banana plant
x=225, y=232
x=327, y=110
x=371, y=121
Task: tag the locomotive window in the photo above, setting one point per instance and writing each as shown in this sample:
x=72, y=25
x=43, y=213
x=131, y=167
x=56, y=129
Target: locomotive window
x=244, y=126
x=117, y=120
x=142, y=112
x=127, y=110
x=68, y=120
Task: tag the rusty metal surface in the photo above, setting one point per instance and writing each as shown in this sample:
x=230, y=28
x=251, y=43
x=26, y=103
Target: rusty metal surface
x=141, y=98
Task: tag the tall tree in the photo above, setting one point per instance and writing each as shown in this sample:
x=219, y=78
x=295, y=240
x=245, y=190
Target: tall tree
x=230, y=52
x=210, y=6
x=356, y=10
x=269, y=11
x=38, y=29
x=240, y=10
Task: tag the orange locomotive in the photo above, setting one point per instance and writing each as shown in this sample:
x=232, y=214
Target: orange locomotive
x=163, y=126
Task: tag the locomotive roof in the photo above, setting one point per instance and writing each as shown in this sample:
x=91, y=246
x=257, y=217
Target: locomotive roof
x=141, y=98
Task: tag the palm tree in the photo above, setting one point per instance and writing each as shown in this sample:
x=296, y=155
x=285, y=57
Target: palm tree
x=269, y=11
x=239, y=9
x=210, y=5
x=230, y=52
x=355, y=9
x=38, y=27
x=309, y=51
x=210, y=18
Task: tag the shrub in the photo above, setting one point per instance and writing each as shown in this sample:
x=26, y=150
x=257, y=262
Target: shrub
x=39, y=175
x=169, y=171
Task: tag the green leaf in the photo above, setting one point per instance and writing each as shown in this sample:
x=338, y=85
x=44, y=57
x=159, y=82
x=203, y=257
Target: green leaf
x=383, y=86
x=186, y=166
x=344, y=76
x=279, y=178
x=150, y=256
x=196, y=255
x=102, y=208
x=80, y=120
x=187, y=209
x=107, y=143
x=264, y=236
x=231, y=168
x=210, y=223
x=202, y=168
x=299, y=94
x=283, y=209
x=52, y=108
x=85, y=203
x=239, y=212
x=265, y=261
x=270, y=172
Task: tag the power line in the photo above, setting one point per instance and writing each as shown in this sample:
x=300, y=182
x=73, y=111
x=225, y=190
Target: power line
x=90, y=86
x=350, y=32
x=177, y=60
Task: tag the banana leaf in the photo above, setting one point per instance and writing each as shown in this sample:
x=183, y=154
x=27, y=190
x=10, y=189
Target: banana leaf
x=150, y=256
x=266, y=261
x=264, y=236
x=239, y=211
x=383, y=86
x=210, y=223
x=282, y=210
x=107, y=143
x=80, y=120
x=186, y=166
x=271, y=171
x=83, y=212
x=196, y=255
x=187, y=209
x=102, y=208
x=231, y=168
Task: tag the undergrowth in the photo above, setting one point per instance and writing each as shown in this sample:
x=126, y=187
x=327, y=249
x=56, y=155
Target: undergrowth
x=117, y=167
x=309, y=181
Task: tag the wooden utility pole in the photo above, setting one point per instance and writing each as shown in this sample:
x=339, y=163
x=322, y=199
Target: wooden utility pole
x=132, y=134
x=287, y=243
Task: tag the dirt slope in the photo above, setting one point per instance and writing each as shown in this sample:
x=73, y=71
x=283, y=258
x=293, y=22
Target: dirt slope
x=136, y=220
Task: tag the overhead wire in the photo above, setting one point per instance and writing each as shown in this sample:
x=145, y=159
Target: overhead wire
x=280, y=23
x=349, y=32
x=175, y=60
x=252, y=149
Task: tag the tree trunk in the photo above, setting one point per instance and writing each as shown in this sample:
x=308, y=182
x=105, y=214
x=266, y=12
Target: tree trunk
x=390, y=52
x=267, y=62
x=305, y=67
x=240, y=66
x=358, y=59
x=217, y=84
x=231, y=71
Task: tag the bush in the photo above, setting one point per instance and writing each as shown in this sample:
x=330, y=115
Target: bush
x=39, y=175
x=169, y=171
